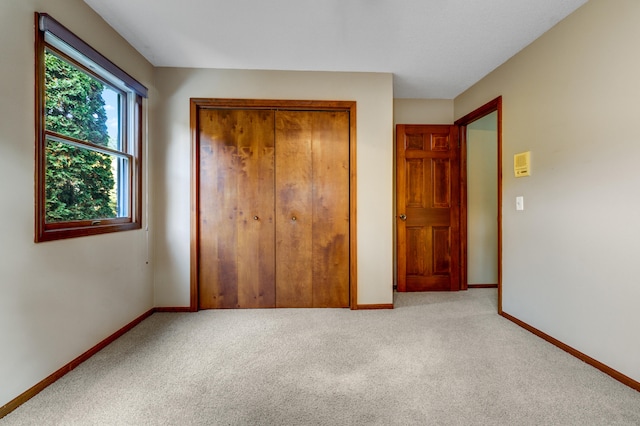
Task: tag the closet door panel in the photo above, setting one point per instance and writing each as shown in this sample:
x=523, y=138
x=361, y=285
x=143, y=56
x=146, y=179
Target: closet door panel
x=256, y=230
x=237, y=257
x=330, y=148
x=218, y=269
x=312, y=209
x=294, y=210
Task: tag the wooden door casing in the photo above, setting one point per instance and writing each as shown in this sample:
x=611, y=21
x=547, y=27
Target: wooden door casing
x=462, y=123
x=428, y=196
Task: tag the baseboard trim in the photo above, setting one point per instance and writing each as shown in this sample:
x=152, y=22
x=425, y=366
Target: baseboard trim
x=482, y=285
x=173, y=309
x=375, y=306
x=626, y=380
x=39, y=387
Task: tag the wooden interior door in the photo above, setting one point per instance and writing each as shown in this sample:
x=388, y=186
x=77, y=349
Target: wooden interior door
x=236, y=217
x=427, y=202
x=312, y=208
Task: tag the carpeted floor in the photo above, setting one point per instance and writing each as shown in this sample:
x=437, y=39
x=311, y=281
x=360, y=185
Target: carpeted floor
x=437, y=359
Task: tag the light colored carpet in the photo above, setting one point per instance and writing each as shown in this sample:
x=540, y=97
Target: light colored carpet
x=437, y=359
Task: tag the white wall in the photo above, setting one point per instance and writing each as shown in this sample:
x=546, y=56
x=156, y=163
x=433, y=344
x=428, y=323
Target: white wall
x=570, y=258
x=482, y=200
x=374, y=96
x=57, y=299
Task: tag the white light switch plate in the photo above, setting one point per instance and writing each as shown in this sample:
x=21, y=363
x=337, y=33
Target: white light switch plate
x=520, y=203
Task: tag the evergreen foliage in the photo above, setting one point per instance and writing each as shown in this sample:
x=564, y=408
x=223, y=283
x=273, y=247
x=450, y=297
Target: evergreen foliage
x=79, y=183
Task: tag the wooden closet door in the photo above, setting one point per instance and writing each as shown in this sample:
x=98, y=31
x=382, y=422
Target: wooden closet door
x=236, y=218
x=312, y=209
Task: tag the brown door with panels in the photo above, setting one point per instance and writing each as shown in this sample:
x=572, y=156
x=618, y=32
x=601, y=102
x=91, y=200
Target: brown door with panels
x=428, y=195
x=273, y=225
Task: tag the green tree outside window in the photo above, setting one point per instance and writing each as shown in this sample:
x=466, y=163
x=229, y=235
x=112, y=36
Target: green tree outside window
x=79, y=183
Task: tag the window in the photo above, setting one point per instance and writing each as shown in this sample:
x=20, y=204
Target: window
x=88, y=139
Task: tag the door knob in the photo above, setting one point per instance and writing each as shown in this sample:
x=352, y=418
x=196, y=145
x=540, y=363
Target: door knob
x=403, y=217
x=294, y=218
x=256, y=218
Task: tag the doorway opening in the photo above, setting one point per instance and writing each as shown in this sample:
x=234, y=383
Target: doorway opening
x=481, y=197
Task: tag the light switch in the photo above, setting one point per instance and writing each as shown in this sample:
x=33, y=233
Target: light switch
x=520, y=202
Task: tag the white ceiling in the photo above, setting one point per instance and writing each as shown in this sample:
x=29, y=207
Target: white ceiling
x=434, y=48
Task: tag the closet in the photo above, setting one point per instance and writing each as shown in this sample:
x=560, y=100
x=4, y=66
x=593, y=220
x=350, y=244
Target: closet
x=273, y=220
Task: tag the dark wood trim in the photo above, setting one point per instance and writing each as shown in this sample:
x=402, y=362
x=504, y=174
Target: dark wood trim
x=626, y=380
x=173, y=309
x=482, y=285
x=498, y=104
x=374, y=306
x=290, y=105
x=400, y=233
x=52, y=227
x=37, y=388
x=60, y=234
x=480, y=112
x=295, y=105
x=39, y=134
x=455, y=213
x=195, y=207
x=353, y=239
x=45, y=23
x=136, y=170
x=464, y=216
x=488, y=108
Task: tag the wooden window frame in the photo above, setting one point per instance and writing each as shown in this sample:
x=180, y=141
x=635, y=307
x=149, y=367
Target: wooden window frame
x=45, y=25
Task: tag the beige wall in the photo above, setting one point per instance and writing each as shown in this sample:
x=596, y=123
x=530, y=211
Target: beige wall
x=423, y=111
x=482, y=201
x=171, y=153
x=570, y=258
x=60, y=298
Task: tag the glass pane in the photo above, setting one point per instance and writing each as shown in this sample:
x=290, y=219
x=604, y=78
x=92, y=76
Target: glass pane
x=81, y=106
x=112, y=102
x=83, y=184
